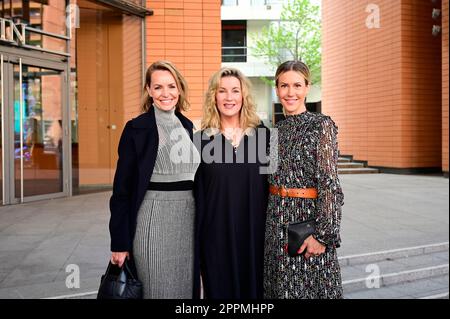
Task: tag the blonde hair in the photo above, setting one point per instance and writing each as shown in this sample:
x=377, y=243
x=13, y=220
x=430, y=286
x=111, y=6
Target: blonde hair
x=182, y=104
x=211, y=115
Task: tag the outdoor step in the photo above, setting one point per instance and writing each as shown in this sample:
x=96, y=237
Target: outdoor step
x=350, y=165
x=444, y=295
x=365, y=170
x=85, y=295
x=343, y=160
x=396, y=278
x=394, y=268
x=352, y=260
x=427, y=288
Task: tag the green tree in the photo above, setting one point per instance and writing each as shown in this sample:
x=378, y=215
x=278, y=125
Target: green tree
x=296, y=36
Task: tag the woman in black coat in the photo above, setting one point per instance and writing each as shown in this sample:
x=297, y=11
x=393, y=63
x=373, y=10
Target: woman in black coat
x=152, y=205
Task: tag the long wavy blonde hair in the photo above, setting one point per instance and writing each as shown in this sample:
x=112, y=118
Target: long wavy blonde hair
x=211, y=115
x=183, y=103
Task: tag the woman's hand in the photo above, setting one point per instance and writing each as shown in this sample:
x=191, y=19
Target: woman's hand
x=118, y=258
x=312, y=246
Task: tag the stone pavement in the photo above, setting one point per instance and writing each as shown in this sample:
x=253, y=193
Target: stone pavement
x=383, y=216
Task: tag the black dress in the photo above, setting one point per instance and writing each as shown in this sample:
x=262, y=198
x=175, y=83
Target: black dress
x=231, y=201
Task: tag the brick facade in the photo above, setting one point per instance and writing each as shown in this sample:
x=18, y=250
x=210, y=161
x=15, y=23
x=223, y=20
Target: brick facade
x=188, y=33
x=382, y=86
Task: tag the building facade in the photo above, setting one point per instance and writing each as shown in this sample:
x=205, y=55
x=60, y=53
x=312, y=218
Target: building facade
x=72, y=75
x=241, y=21
x=385, y=81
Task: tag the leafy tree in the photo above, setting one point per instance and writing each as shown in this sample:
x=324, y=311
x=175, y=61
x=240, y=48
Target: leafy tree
x=296, y=36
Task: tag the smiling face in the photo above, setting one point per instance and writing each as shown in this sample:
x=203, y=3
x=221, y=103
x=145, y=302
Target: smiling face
x=229, y=97
x=163, y=89
x=292, y=90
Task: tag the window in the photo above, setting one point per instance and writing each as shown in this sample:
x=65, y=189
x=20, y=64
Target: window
x=234, y=41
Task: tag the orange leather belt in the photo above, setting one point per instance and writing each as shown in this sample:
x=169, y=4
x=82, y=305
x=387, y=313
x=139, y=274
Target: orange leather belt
x=293, y=192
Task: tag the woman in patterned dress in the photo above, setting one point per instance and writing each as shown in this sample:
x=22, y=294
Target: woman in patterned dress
x=307, y=165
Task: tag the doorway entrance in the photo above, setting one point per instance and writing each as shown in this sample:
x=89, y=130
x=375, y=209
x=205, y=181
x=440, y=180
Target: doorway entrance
x=33, y=144
x=108, y=56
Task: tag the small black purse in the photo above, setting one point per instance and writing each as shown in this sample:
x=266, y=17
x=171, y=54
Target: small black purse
x=119, y=283
x=297, y=233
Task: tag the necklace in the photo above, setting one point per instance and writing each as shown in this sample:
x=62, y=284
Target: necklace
x=234, y=135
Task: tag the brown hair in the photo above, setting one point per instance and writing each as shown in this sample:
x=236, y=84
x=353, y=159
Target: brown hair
x=296, y=66
x=211, y=116
x=183, y=104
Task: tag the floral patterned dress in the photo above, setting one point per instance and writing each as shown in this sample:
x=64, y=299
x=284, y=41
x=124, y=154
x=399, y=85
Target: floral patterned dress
x=307, y=158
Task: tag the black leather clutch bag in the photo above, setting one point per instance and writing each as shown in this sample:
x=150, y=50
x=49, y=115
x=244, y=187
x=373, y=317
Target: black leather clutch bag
x=297, y=233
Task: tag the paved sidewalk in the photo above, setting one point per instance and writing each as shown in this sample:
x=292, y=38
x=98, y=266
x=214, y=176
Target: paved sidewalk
x=39, y=240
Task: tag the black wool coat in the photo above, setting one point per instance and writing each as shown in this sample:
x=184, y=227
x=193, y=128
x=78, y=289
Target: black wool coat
x=138, y=148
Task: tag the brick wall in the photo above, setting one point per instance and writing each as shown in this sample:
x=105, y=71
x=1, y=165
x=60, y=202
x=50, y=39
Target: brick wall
x=445, y=86
x=188, y=33
x=132, y=73
x=382, y=85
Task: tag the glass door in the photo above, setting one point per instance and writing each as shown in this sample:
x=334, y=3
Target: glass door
x=33, y=125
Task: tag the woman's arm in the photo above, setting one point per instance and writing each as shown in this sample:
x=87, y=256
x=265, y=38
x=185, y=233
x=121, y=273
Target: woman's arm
x=330, y=196
x=121, y=199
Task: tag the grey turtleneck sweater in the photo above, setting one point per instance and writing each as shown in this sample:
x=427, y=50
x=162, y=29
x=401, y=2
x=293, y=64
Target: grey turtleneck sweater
x=178, y=158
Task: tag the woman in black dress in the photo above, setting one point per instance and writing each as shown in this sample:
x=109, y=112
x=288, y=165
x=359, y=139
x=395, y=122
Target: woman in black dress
x=230, y=191
x=305, y=186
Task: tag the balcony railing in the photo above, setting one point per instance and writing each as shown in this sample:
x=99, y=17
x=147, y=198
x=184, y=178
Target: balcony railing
x=234, y=54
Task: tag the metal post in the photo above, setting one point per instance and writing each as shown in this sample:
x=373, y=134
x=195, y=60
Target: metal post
x=21, y=130
x=3, y=126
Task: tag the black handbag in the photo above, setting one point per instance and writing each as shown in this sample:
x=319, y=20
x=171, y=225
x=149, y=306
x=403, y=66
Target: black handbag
x=119, y=283
x=297, y=233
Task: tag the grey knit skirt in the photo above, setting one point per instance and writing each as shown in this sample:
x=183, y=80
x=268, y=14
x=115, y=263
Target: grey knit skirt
x=163, y=245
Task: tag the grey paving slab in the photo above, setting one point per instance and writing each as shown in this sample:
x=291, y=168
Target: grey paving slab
x=10, y=259
x=62, y=243
x=31, y=228
x=23, y=275
x=4, y=274
x=19, y=242
x=47, y=290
